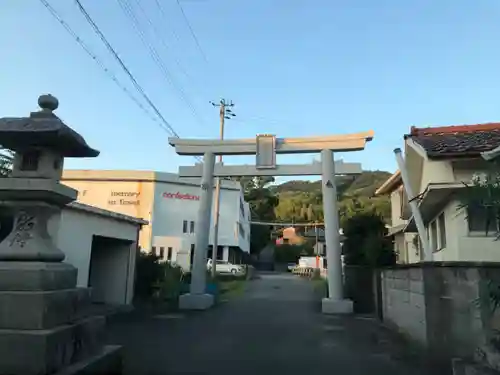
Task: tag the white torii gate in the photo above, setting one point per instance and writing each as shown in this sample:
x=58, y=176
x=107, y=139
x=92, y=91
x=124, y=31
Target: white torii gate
x=265, y=147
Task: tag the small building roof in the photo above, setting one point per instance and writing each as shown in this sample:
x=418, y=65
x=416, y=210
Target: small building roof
x=391, y=184
x=106, y=213
x=456, y=141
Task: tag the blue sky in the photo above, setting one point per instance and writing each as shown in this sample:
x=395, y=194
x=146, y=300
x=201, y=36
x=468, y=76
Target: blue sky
x=293, y=68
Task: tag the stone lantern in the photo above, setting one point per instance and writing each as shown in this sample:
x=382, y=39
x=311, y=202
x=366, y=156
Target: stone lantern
x=45, y=327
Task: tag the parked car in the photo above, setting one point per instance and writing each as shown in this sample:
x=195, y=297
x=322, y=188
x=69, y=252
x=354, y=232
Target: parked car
x=225, y=267
x=291, y=266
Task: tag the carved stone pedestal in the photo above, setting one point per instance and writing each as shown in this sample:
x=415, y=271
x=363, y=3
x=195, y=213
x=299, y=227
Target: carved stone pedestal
x=45, y=326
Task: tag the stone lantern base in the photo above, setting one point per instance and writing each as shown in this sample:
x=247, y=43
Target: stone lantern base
x=46, y=326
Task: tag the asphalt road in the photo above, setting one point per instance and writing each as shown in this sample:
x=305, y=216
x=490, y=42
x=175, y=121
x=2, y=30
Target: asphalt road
x=274, y=328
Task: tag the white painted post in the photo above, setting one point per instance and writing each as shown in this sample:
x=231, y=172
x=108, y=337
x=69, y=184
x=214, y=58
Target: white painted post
x=198, y=276
x=417, y=216
x=331, y=225
x=335, y=302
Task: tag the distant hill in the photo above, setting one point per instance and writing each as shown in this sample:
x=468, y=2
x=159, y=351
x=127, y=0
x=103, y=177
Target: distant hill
x=297, y=195
x=363, y=185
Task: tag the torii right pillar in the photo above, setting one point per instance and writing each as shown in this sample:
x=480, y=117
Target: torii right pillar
x=334, y=303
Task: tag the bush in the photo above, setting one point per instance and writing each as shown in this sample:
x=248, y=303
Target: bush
x=155, y=279
x=169, y=285
x=148, y=273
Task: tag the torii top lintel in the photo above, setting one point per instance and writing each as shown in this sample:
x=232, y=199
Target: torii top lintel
x=338, y=143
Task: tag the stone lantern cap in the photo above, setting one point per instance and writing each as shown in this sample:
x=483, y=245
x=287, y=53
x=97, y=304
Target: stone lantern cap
x=43, y=129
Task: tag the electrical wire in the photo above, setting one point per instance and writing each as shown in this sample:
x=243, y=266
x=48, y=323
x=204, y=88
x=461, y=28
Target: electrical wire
x=159, y=34
x=98, y=61
x=160, y=119
x=128, y=10
x=110, y=48
x=193, y=34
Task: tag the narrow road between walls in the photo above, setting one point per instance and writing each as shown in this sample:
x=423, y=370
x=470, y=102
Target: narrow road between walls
x=275, y=327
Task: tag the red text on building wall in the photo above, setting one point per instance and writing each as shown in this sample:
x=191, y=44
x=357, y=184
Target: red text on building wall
x=183, y=196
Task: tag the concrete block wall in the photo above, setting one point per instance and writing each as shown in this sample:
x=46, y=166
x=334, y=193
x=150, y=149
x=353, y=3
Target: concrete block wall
x=437, y=304
x=404, y=301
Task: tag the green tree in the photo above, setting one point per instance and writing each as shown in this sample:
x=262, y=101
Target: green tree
x=483, y=195
x=366, y=243
x=262, y=201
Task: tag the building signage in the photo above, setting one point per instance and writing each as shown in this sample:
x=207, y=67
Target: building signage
x=182, y=196
x=124, y=198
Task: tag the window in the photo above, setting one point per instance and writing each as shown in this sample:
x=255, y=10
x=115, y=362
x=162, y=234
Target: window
x=30, y=160
x=169, y=253
x=184, y=226
x=153, y=250
x=191, y=258
x=191, y=227
x=434, y=236
x=401, y=201
x=162, y=252
x=241, y=230
x=442, y=231
x=242, y=208
x=477, y=218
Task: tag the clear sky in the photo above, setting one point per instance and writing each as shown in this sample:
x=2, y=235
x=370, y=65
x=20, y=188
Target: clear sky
x=292, y=67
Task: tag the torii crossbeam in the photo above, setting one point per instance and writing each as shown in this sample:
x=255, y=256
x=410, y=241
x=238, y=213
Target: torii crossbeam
x=265, y=147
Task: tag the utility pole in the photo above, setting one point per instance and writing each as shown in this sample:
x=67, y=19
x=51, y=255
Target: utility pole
x=225, y=113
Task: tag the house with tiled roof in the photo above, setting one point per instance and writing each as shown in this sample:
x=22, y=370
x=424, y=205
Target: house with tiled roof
x=439, y=160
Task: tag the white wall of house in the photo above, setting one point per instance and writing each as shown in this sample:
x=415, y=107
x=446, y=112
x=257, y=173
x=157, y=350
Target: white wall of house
x=73, y=232
x=455, y=242
x=436, y=172
x=405, y=248
x=403, y=242
x=396, y=206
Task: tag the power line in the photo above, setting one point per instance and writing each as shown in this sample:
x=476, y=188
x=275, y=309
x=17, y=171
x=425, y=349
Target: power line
x=153, y=52
x=160, y=120
x=98, y=61
x=193, y=34
x=159, y=34
x=110, y=48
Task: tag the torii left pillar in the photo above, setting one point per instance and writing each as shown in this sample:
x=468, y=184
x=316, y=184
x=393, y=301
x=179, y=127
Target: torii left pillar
x=334, y=303
x=197, y=298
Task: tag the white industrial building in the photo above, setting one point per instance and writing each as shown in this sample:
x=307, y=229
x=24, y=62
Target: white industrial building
x=170, y=205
